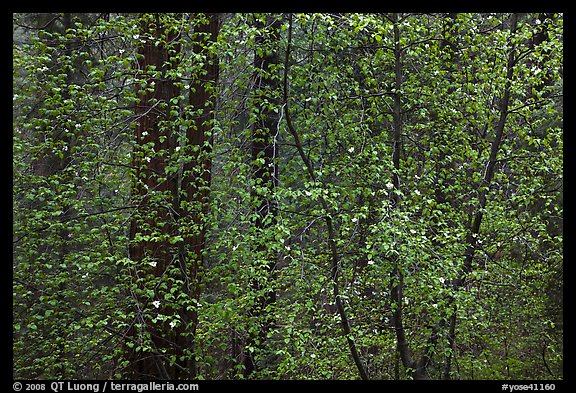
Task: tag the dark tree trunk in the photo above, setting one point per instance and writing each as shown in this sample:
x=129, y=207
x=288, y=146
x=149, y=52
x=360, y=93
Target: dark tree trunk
x=483, y=191
x=265, y=177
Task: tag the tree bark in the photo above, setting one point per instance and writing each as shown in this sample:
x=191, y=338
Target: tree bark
x=168, y=205
x=151, y=180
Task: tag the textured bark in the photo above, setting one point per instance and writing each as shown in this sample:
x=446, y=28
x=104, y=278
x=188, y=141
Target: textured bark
x=184, y=204
x=151, y=178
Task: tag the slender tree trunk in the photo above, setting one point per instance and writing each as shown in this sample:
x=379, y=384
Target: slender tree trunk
x=483, y=191
x=419, y=366
x=265, y=178
x=396, y=294
x=449, y=45
x=491, y=164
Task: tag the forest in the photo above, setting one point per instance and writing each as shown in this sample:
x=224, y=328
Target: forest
x=287, y=196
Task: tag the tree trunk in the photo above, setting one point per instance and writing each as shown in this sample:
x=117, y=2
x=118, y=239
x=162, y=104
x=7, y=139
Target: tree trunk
x=155, y=193
x=265, y=178
x=483, y=192
x=417, y=368
x=197, y=174
x=169, y=207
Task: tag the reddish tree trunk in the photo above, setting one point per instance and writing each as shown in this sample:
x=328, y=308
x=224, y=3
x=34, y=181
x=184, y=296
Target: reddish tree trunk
x=155, y=193
x=167, y=210
x=196, y=178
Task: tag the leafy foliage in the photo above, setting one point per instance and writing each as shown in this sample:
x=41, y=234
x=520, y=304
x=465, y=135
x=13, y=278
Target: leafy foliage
x=418, y=155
